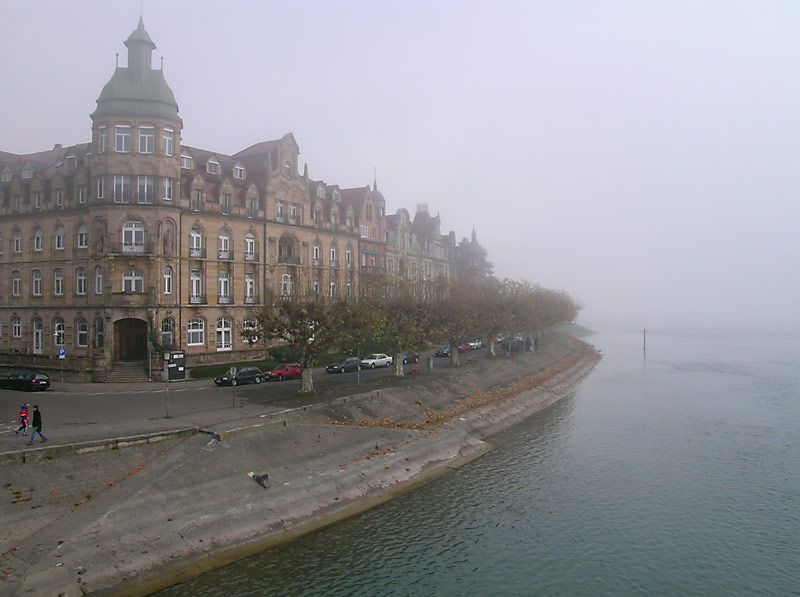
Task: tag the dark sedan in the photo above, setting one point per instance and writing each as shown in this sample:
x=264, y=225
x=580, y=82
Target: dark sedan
x=234, y=376
x=26, y=380
x=349, y=364
x=444, y=351
x=410, y=357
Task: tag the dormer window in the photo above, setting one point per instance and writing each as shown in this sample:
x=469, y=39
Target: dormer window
x=186, y=161
x=212, y=167
x=71, y=162
x=287, y=170
x=6, y=175
x=238, y=172
x=27, y=172
x=336, y=195
x=320, y=192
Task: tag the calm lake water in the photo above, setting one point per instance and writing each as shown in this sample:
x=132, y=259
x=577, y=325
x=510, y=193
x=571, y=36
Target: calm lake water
x=674, y=474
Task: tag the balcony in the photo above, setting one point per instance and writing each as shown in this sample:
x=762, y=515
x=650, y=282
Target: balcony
x=225, y=254
x=334, y=263
x=197, y=299
x=121, y=248
x=131, y=299
x=225, y=300
x=348, y=265
x=251, y=300
x=251, y=257
x=316, y=262
x=289, y=259
x=197, y=252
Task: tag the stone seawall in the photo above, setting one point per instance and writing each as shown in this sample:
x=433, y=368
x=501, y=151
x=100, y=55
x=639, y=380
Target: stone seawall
x=132, y=520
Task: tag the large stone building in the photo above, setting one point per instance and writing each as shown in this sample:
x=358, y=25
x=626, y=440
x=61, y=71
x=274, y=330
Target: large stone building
x=135, y=240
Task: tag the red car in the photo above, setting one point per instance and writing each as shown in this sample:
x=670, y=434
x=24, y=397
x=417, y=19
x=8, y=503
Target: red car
x=285, y=371
x=464, y=347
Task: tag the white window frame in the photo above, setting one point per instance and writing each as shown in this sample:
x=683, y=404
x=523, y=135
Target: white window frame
x=102, y=139
x=239, y=172
x=195, y=332
x=133, y=234
x=16, y=283
x=186, y=161
x=36, y=282
x=122, y=138
x=98, y=279
x=225, y=204
x=83, y=236
x=133, y=281
x=58, y=282
x=59, y=239
x=249, y=286
x=224, y=284
x=287, y=285
x=82, y=194
x=59, y=330
x=38, y=240
x=122, y=188
x=168, y=279
x=333, y=254
x=37, y=200
x=146, y=190
x=363, y=232
x=196, y=284
x=168, y=139
x=212, y=167
x=81, y=333
x=80, y=281
x=147, y=139
x=18, y=242
x=168, y=331
x=224, y=334
x=249, y=246
x=223, y=245
x=100, y=187
x=195, y=243
x=16, y=327
x=168, y=189
x=59, y=197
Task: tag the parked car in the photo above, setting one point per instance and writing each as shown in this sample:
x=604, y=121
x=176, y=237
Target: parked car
x=476, y=344
x=235, y=376
x=285, y=371
x=464, y=347
x=376, y=360
x=410, y=357
x=349, y=364
x=444, y=351
x=26, y=380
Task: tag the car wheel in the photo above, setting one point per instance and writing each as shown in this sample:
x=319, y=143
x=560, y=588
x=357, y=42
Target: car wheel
x=234, y=382
x=280, y=377
x=257, y=380
x=372, y=366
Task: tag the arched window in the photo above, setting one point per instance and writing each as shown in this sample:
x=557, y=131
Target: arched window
x=195, y=243
x=82, y=328
x=333, y=254
x=17, y=241
x=132, y=281
x=316, y=253
x=80, y=281
x=333, y=288
x=99, y=333
x=133, y=237
x=38, y=333
x=287, y=285
x=168, y=280
x=224, y=333
x=59, y=332
x=58, y=282
x=36, y=282
x=83, y=236
x=59, y=238
x=196, y=332
x=38, y=240
x=98, y=279
x=167, y=331
x=250, y=247
x=224, y=245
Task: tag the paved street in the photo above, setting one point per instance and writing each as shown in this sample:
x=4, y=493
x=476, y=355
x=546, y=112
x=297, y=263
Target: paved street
x=84, y=412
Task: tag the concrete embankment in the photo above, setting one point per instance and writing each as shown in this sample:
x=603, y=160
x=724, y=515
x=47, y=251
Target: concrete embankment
x=130, y=520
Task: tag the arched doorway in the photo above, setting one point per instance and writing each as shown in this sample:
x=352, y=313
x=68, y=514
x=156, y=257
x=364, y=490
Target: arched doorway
x=130, y=339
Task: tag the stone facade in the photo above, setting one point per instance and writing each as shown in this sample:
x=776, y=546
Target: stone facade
x=135, y=240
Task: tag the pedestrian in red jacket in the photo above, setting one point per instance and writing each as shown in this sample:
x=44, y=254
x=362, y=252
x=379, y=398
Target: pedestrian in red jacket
x=23, y=419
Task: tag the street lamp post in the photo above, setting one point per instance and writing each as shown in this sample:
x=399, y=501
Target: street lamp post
x=60, y=358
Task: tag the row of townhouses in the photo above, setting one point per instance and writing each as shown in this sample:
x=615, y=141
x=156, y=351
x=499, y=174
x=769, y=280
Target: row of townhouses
x=133, y=239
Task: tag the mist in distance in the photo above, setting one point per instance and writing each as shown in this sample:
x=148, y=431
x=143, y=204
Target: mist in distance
x=641, y=156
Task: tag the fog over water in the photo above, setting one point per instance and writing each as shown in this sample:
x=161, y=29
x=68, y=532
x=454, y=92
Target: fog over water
x=642, y=156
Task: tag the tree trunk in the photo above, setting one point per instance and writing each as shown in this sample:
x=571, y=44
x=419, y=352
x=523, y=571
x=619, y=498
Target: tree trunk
x=398, y=364
x=454, y=354
x=306, y=380
x=491, y=347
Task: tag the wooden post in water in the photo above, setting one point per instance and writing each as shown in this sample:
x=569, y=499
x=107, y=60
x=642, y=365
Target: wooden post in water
x=644, y=340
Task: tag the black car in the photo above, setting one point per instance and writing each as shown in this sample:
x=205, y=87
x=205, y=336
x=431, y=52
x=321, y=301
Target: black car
x=349, y=364
x=26, y=380
x=444, y=351
x=410, y=357
x=234, y=376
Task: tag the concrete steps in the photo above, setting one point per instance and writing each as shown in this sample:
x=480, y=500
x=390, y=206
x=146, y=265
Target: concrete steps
x=128, y=371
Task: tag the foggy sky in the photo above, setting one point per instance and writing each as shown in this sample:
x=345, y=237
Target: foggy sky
x=642, y=156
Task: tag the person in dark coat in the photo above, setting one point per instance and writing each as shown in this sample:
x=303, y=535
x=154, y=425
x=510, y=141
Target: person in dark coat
x=36, y=425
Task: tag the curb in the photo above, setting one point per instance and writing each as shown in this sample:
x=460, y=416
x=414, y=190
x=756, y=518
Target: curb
x=49, y=452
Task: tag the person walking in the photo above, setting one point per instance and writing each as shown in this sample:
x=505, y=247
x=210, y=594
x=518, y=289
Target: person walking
x=23, y=419
x=36, y=425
